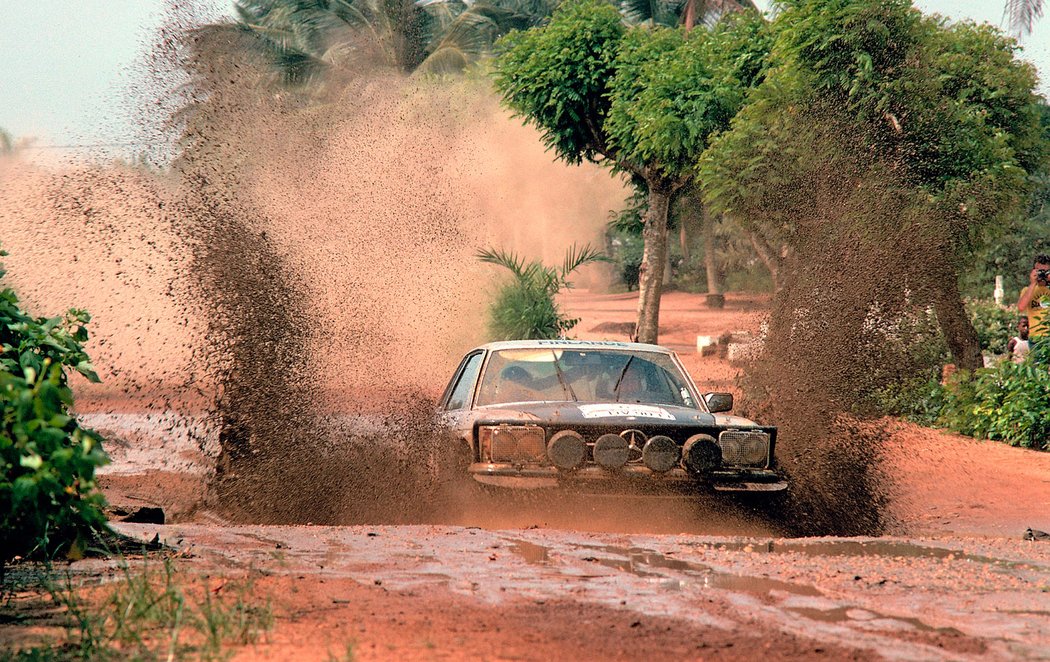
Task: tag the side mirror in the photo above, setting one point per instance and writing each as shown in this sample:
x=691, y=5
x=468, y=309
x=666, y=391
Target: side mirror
x=719, y=402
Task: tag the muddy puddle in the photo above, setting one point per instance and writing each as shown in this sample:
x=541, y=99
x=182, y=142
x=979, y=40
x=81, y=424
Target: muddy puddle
x=896, y=549
x=648, y=564
x=920, y=601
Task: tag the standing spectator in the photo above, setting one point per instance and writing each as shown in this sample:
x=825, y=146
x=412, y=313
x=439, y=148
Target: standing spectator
x=1035, y=299
x=1017, y=348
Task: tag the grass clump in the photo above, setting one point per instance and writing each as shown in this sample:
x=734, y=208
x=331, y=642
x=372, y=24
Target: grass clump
x=151, y=612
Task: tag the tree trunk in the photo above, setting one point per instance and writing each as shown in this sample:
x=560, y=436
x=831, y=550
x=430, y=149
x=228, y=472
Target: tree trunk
x=956, y=326
x=654, y=259
x=714, y=281
x=689, y=15
x=766, y=254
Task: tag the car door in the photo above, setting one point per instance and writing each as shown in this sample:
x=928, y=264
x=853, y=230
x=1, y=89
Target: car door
x=459, y=396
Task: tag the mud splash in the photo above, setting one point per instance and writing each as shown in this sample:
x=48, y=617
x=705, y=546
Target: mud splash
x=296, y=267
x=868, y=276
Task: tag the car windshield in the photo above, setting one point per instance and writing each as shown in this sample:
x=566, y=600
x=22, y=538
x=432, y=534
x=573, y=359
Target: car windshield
x=591, y=375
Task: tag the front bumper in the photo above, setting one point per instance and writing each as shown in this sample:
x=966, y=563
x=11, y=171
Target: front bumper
x=629, y=478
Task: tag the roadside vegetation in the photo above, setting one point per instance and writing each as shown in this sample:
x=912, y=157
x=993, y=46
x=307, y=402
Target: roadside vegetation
x=142, y=610
x=525, y=307
x=49, y=504
x=51, y=510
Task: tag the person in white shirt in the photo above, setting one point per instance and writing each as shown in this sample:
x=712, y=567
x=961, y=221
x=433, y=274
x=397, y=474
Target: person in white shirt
x=1018, y=345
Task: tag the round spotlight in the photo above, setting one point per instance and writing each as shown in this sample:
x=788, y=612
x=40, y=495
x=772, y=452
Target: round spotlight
x=701, y=454
x=567, y=450
x=611, y=451
x=660, y=453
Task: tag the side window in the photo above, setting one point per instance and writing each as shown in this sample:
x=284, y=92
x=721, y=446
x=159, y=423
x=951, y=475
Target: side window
x=460, y=396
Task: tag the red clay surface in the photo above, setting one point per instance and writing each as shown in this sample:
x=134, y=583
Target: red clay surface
x=627, y=580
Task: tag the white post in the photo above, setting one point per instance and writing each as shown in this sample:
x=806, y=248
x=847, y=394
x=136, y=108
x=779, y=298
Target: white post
x=997, y=293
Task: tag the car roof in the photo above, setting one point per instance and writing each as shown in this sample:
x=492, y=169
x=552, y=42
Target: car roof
x=573, y=344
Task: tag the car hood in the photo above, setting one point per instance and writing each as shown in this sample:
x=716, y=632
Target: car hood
x=612, y=413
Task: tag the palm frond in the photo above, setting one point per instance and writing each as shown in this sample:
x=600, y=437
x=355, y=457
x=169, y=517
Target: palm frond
x=444, y=61
x=1022, y=15
x=502, y=258
x=652, y=12
x=471, y=32
x=577, y=256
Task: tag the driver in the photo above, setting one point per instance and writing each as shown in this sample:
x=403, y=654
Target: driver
x=516, y=384
x=632, y=387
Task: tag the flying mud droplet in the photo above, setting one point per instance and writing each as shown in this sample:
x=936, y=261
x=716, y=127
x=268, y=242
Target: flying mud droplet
x=294, y=286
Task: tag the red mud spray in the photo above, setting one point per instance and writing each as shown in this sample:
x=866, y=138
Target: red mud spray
x=301, y=277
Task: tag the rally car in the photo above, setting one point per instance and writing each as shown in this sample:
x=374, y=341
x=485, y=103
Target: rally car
x=600, y=415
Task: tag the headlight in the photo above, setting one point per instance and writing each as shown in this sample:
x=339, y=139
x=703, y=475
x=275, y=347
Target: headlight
x=611, y=451
x=567, y=450
x=512, y=443
x=661, y=454
x=744, y=448
x=701, y=454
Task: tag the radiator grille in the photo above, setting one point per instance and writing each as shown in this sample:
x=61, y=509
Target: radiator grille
x=744, y=448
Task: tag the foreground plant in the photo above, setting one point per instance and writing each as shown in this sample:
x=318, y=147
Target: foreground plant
x=151, y=612
x=525, y=308
x=48, y=499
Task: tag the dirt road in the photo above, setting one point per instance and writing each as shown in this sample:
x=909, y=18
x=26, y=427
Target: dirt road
x=634, y=580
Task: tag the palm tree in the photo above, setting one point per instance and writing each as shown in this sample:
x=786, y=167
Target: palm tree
x=1022, y=15
x=525, y=308
x=308, y=39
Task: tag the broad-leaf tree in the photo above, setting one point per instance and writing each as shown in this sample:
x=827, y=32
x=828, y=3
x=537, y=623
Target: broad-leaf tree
x=642, y=101
x=7, y=143
x=907, y=138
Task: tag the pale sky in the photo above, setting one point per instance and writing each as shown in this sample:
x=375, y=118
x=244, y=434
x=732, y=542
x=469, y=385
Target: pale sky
x=73, y=70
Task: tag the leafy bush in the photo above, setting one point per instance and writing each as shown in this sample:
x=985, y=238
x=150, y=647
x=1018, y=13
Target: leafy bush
x=918, y=399
x=626, y=252
x=623, y=238
x=994, y=324
x=1010, y=402
x=525, y=308
x=48, y=502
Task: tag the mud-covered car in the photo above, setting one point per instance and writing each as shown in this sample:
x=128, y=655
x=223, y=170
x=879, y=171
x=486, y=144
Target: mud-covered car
x=600, y=416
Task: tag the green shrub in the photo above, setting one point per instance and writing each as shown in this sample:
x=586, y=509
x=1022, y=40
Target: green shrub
x=48, y=502
x=1010, y=403
x=994, y=324
x=626, y=250
x=919, y=400
x=524, y=308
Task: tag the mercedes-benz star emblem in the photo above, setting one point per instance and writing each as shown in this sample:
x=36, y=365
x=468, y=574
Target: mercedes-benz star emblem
x=635, y=441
